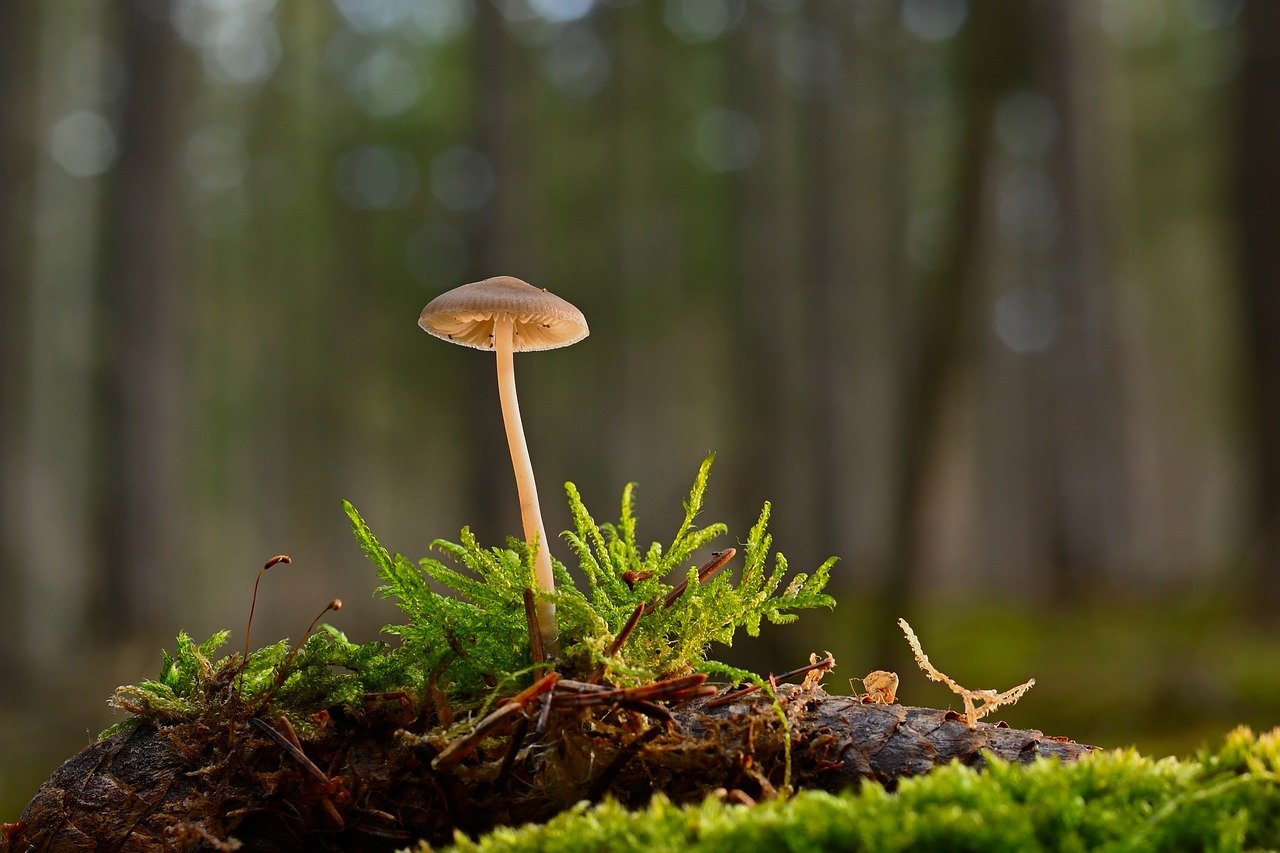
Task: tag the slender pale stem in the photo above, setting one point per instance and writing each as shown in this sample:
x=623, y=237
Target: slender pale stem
x=530, y=512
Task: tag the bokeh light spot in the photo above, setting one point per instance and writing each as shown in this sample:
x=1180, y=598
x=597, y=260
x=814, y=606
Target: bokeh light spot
x=376, y=177
x=385, y=83
x=462, y=178
x=1027, y=208
x=83, y=143
x=216, y=158
x=243, y=51
x=933, y=20
x=369, y=16
x=1212, y=14
x=578, y=63
x=1026, y=319
x=562, y=11
x=441, y=20
x=726, y=140
x=698, y=21
x=1026, y=123
x=1133, y=23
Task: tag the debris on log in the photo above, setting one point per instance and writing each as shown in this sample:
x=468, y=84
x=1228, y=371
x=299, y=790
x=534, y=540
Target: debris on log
x=375, y=783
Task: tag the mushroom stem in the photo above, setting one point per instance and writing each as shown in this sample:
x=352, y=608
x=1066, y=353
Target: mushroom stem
x=530, y=512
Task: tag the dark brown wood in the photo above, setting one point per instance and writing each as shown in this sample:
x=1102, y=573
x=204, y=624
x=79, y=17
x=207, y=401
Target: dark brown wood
x=1258, y=212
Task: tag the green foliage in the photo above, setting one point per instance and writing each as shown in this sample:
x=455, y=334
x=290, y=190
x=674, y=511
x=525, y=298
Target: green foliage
x=477, y=636
x=1225, y=800
x=474, y=637
x=669, y=639
x=328, y=671
x=467, y=641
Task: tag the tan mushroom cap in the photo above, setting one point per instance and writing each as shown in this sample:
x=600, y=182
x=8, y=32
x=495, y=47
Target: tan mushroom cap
x=466, y=314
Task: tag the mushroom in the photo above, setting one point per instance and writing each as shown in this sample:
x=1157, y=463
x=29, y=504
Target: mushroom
x=507, y=315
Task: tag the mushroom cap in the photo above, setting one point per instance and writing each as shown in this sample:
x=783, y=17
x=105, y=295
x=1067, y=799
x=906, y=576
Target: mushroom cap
x=466, y=315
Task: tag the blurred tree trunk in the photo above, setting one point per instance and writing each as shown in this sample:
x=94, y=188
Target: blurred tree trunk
x=142, y=498
x=828, y=291
x=1258, y=213
x=816, y=287
x=637, y=110
x=992, y=55
x=493, y=251
x=1087, y=410
x=310, y=246
x=765, y=309
x=17, y=116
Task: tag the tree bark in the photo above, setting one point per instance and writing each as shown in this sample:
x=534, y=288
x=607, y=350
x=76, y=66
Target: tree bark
x=1257, y=214
x=992, y=58
x=197, y=785
x=1090, y=516
x=17, y=116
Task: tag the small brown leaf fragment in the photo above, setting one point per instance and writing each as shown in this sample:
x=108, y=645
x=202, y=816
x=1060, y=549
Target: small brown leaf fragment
x=820, y=667
x=881, y=686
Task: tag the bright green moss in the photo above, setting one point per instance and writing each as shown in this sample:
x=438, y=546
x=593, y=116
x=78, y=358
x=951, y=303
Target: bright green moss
x=1118, y=801
x=475, y=637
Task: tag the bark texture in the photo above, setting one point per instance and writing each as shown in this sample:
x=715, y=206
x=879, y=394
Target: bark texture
x=203, y=786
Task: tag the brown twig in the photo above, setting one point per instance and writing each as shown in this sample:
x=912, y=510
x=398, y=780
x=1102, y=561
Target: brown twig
x=517, y=738
x=294, y=750
x=461, y=747
x=670, y=690
x=616, y=645
x=544, y=714
x=288, y=741
x=719, y=559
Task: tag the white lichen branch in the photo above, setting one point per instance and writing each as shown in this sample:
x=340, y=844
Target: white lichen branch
x=977, y=703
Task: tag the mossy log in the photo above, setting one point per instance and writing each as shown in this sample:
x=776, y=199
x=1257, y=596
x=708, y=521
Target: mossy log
x=374, y=783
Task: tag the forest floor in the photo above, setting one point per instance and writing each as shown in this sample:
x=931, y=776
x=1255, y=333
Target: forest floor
x=1187, y=671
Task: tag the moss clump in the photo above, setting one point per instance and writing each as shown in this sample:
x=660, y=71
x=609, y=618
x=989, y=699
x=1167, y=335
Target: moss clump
x=477, y=636
x=1223, y=800
x=462, y=648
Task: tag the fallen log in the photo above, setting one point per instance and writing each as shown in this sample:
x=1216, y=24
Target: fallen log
x=375, y=783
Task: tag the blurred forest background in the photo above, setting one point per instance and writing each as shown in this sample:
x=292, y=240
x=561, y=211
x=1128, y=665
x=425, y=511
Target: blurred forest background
x=983, y=294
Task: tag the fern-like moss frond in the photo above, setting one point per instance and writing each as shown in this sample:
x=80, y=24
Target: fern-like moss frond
x=465, y=632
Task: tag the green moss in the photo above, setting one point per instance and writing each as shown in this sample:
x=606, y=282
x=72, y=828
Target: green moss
x=1225, y=800
x=472, y=641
